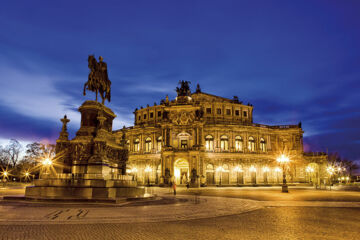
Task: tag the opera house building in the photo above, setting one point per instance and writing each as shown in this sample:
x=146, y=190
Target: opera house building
x=209, y=140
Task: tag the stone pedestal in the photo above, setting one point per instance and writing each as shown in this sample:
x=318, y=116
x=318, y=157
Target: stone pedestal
x=90, y=166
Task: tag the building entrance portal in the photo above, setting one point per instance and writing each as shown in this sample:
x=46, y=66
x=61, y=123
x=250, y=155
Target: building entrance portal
x=181, y=171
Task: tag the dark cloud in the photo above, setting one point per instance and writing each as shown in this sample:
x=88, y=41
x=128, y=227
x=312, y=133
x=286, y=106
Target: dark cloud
x=18, y=126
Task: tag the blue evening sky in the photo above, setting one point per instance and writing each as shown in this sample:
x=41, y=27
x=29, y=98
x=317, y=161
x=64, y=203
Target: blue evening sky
x=293, y=60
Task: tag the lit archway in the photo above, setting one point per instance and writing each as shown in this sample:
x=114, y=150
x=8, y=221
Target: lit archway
x=181, y=171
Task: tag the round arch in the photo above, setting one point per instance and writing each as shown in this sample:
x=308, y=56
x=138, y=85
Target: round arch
x=181, y=171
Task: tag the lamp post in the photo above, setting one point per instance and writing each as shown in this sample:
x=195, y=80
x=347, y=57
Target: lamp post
x=26, y=176
x=46, y=163
x=339, y=170
x=309, y=170
x=221, y=170
x=331, y=171
x=283, y=160
x=148, y=170
x=5, y=176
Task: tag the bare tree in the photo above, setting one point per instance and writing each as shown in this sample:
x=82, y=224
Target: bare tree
x=4, y=157
x=334, y=159
x=13, y=151
x=350, y=165
x=33, y=152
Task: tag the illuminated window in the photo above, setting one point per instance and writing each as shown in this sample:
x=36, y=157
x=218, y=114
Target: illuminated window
x=251, y=144
x=224, y=143
x=184, y=143
x=238, y=143
x=159, y=140
x=148, y=144
x=209, y=143
x=262, y=145
x=136, y=145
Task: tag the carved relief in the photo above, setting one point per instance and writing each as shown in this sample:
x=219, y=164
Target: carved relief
x=182, y=118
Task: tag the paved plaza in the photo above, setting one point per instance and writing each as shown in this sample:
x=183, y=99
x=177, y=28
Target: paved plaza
x=211, y=213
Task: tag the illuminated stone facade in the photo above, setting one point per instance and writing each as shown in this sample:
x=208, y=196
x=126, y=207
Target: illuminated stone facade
x=207, y=139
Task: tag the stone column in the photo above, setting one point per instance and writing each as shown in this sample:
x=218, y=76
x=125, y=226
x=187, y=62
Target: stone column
x=154, y=142
x=197, y=136
x=170, y=139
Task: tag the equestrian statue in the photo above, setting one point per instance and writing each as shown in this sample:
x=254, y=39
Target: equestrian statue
x=98, y=80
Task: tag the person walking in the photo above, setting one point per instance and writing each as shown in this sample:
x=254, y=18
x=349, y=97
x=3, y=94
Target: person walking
x=170, y=186
x=174, y=188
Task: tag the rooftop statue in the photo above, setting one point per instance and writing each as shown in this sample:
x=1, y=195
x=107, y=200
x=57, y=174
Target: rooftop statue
x=98, y=80
x=184, y=89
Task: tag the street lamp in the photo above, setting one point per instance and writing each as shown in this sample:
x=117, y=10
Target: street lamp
x=309, y=170
x=221, y=170
x=331, y=171
x=283, y=160
x=148, y=170
x=47, y=162
x=5, y=175
x=46, y=166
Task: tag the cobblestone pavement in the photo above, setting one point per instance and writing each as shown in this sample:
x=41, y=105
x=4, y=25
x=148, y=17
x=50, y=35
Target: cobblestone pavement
x=275, y=194
x=266, y=223
x=158, y=210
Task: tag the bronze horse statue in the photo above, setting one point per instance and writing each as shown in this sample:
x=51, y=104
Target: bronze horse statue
x=98, y=80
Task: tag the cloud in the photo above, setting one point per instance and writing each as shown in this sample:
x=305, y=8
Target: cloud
x=34, y=95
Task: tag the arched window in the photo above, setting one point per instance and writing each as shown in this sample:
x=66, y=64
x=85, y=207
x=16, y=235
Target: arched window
x=209, y=143
x=136, y=145
x=210, y=168
x=224, y=143
x=148, y=144
x=251, y=144
x=238, y=144
x=262, y=145
x=159, y=140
